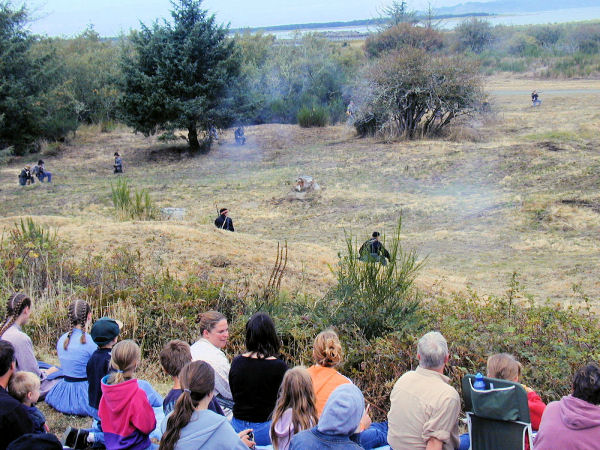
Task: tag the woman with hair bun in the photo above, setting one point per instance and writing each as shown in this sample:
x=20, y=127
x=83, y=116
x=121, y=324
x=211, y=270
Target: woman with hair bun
x=18, y=311
x=214, y=333
x=255, y=377
x=70, y=395
x=327, y=354
x=192, y=425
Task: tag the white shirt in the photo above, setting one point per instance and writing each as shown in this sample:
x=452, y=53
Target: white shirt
x=203, y=350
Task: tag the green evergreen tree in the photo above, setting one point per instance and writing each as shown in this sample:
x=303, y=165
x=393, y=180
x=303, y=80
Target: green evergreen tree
x=179, y=75
x=34, y=100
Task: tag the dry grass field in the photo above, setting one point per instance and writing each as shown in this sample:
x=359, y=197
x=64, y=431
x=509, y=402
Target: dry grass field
x=515, y=191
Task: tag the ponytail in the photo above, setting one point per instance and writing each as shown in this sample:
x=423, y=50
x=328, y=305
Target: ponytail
x=124, y=358
x=197, y=379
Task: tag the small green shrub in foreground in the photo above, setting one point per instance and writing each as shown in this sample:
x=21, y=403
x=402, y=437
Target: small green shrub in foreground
x=136, y=207
x=316, y=116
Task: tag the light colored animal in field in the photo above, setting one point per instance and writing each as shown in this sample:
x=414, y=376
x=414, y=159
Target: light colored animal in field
x=304, y=183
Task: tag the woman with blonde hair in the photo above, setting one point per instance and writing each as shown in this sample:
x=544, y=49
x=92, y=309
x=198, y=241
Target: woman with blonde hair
x=126, y=414
x=327, y=354
x=504, y=366
x=70, y=395
x=18, y=311
x=295, y=409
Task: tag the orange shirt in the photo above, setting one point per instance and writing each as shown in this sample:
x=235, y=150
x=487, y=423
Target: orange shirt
x=325, y=380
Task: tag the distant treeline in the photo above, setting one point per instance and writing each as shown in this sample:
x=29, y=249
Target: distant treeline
x=351, y=23
x=50, y=86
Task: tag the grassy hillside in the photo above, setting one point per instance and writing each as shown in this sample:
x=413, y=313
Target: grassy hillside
x=517, y=191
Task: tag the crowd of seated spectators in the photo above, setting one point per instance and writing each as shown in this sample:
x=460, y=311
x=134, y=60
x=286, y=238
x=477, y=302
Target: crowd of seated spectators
x=257, y=401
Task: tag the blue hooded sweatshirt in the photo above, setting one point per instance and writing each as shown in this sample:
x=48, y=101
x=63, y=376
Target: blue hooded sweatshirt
x=338, y=423
x=209, y=431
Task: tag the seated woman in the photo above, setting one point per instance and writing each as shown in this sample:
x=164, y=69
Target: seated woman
x=327, y=354
x=505, y=367
x=255, y=378
x=214, y=333
x=573, y=422
x=18, y=310
x=70, y=395
x=295, y=409
x=192, y=425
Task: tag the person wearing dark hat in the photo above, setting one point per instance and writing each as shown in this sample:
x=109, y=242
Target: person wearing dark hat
x=14, y=420
x=373, y=250
x=118, y=165
x=223, y=221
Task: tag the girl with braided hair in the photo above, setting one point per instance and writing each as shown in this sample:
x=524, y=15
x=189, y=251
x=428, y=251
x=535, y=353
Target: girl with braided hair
x=70, y=395
x=18, y=310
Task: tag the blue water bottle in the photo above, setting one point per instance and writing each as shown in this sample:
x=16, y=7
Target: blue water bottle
x=479, y=384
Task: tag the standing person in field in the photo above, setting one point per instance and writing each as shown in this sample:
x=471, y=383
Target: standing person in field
x=126, y=414
x=192, y=425
x=255, y=377
x=224, y=222
x=70, y=394
x=14, y=420
x=373, y=250
x=424, y=407
x=18, y=311
x=118, y=165
x=295, y=409
x=214, y=332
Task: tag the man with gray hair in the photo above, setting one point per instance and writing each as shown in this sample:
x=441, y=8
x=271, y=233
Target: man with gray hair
x=424, y=407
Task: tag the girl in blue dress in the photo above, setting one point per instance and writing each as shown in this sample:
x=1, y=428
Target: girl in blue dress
x=70, y=395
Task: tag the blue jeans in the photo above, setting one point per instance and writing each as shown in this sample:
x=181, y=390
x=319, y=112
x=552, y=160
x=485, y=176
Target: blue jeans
x=374, y=436
x=97, y=430
x=260, y=430
x=44, y=175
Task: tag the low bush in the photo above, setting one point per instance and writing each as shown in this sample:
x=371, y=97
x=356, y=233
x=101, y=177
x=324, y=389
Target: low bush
x=315, y=116
x=136, y=205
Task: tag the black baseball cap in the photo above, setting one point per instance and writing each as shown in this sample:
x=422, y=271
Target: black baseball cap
x=105, y=330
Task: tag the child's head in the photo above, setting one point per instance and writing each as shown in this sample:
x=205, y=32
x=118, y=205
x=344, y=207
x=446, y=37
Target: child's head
x=198, y=382
x=296, y=392
x=504, y=367
x=327, y=350
x=124, y=358
x=25, y=387
x=174, y=356
x=79, y=313
x=105, y=332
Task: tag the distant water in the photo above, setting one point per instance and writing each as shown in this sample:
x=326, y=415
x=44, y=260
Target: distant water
x=537, y=18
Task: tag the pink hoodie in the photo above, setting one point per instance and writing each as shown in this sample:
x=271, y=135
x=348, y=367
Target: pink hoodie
x=570, y=423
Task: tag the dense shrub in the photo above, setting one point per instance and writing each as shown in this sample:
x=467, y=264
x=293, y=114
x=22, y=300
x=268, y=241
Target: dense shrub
x=412, y=94
x=315, y=116
x=403, y=35
x=474, y=35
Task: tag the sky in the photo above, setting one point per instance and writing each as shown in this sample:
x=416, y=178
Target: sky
x=111, y=17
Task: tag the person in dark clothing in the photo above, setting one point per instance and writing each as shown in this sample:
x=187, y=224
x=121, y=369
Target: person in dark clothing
x=26, y=177
x=373, y=250
x=118, y=165
x=223, y=221
x=39, y=170
x=25, y=387
x=240, y=139
x=14, y=420
x=535, y=100
x=44, y=441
